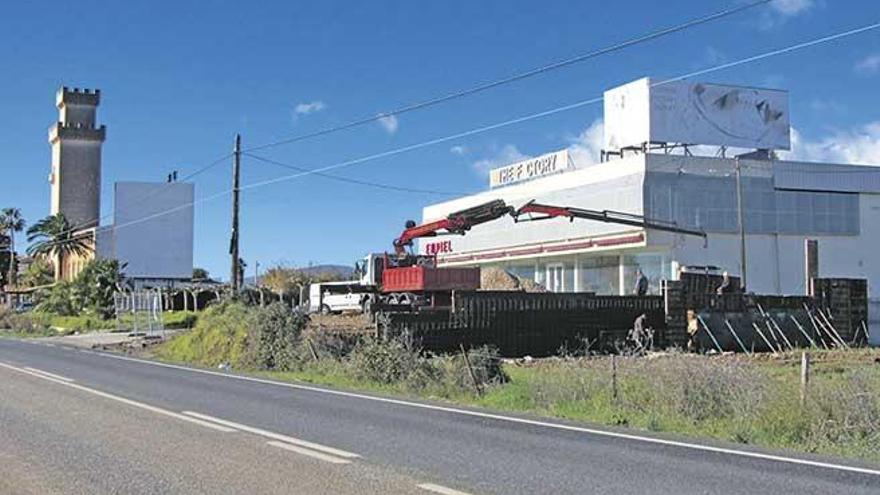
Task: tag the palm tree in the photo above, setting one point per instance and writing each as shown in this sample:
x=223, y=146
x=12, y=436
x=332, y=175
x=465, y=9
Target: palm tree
x=11, y=222
x=54, y=238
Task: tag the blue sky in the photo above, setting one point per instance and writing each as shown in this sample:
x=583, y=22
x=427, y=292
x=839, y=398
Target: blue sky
x=179, y=79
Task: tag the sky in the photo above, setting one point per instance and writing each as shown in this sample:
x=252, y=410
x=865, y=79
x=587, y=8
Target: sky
x=180, y=79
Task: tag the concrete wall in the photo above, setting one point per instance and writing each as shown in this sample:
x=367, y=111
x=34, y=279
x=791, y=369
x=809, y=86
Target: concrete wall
x=154, y=243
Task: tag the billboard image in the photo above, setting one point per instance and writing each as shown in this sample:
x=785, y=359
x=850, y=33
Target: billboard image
x=646, y=111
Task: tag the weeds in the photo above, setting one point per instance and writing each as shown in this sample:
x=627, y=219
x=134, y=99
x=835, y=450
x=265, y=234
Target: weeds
x=754, y=401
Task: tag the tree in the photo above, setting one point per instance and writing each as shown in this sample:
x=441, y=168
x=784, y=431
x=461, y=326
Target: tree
x=54, y=238
x=95, y=286
x=38, y=273
x=280, y=280
x=11, y=222
x=91, y=292
x=200, y=274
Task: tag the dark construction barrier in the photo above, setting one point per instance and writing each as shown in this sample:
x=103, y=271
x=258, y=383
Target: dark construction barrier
x=540, y=324
x=520, y=324
x=837, y=312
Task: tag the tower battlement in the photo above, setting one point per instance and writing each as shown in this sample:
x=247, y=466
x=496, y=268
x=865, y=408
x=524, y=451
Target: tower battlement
x=77, y=96
x=76, y=131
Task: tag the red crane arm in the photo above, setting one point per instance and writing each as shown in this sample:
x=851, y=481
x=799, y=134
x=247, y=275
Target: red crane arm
x=607, y=216
x=455, y=223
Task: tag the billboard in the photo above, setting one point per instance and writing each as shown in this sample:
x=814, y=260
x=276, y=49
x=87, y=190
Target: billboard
x=153, y=229
x=539, y=166
x=647, y=111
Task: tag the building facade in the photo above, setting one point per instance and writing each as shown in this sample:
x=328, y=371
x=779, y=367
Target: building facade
x=784, y=203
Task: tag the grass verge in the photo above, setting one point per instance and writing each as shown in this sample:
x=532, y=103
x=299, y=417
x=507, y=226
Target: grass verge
x=752, y=401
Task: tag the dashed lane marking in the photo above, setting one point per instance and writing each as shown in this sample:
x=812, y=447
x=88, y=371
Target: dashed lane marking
x=141, y=405
x=307, y=452
x=51, y=375
x=274, y=436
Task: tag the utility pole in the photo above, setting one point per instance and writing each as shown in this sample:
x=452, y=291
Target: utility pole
x=741, y=225
x=233, y=244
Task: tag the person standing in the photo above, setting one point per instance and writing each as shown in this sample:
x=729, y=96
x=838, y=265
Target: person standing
x=641, y=286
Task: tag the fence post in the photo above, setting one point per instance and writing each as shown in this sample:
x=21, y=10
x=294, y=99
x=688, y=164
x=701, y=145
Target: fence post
x=312, y=349
x=467, y=362
x=614, y=378
x=805, y=376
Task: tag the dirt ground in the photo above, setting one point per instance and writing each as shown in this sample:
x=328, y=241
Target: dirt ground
x=344, y=323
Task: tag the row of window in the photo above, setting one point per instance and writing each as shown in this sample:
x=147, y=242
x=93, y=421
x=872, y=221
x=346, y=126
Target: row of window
x=599, y=274
x=710, y=203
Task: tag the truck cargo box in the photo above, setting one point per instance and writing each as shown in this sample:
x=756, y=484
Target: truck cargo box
x=429, y=279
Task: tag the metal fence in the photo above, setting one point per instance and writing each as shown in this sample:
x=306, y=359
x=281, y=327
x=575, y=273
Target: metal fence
x=139, y=313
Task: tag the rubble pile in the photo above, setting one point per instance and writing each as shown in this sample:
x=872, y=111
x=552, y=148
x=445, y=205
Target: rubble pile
x=495, y=278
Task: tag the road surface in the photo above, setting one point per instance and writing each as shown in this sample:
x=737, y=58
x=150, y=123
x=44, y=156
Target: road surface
x=77, y=421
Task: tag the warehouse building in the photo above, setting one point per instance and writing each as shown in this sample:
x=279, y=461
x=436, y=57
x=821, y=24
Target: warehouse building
x=643, y=172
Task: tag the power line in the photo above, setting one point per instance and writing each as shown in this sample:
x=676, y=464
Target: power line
x=377, y=185
x=516, y=77
x=423, y=144
x=150, y=195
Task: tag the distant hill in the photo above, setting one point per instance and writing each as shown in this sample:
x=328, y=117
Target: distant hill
x=343, y=271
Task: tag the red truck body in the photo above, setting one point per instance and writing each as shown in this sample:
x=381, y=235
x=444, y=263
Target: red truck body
x=429, y=279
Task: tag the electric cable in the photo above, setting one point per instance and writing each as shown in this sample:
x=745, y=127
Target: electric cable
x=486, y=128
x=377, y=185
x=515, y=77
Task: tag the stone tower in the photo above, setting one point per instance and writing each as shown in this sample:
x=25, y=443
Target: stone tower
x=76, y=157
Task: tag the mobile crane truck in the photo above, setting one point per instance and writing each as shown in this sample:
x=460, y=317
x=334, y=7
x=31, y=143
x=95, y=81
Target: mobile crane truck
x=404, y=281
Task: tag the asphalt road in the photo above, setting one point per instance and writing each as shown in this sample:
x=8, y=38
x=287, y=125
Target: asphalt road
x=75, y=421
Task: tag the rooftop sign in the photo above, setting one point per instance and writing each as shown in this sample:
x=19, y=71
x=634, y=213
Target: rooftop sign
x=649, y=111
x=551, y=163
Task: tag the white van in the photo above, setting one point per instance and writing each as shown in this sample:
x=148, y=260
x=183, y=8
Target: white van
x=324, y=300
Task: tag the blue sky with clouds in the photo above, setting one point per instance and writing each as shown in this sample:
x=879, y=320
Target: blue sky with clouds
x=179, y=79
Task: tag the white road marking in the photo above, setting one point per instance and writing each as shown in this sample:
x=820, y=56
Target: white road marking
x=310, y=453
x=51, y=375
x=274, y=436
x=123, y=400
x=431, y=487
x=511, y=419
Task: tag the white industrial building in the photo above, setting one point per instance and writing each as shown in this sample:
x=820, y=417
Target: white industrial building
x=784, y=203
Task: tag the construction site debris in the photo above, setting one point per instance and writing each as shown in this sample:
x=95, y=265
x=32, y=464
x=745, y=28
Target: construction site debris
x=494, y=278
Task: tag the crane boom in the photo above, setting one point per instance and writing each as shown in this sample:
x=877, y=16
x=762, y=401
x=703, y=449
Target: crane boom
x=458, y=222
x=607, y=216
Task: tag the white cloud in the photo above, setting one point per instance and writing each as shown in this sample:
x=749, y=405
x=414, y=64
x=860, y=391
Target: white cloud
x=389, y=123
x=869, y=64
x=857, y=145
x=306, y=108
x=792, y=7
x=782, y=10
x=458, y=150
x=505, y=156
x=585, y=148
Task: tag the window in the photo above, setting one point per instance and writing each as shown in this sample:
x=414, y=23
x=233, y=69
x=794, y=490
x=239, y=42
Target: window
x=599, y=274
x=555, y=277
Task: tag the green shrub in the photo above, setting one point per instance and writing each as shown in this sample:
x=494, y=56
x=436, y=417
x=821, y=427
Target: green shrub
x=29, y=323
x=90, y=293
x=219, y=337
x=180, y=319
x=276, y=334
x=389, y=362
